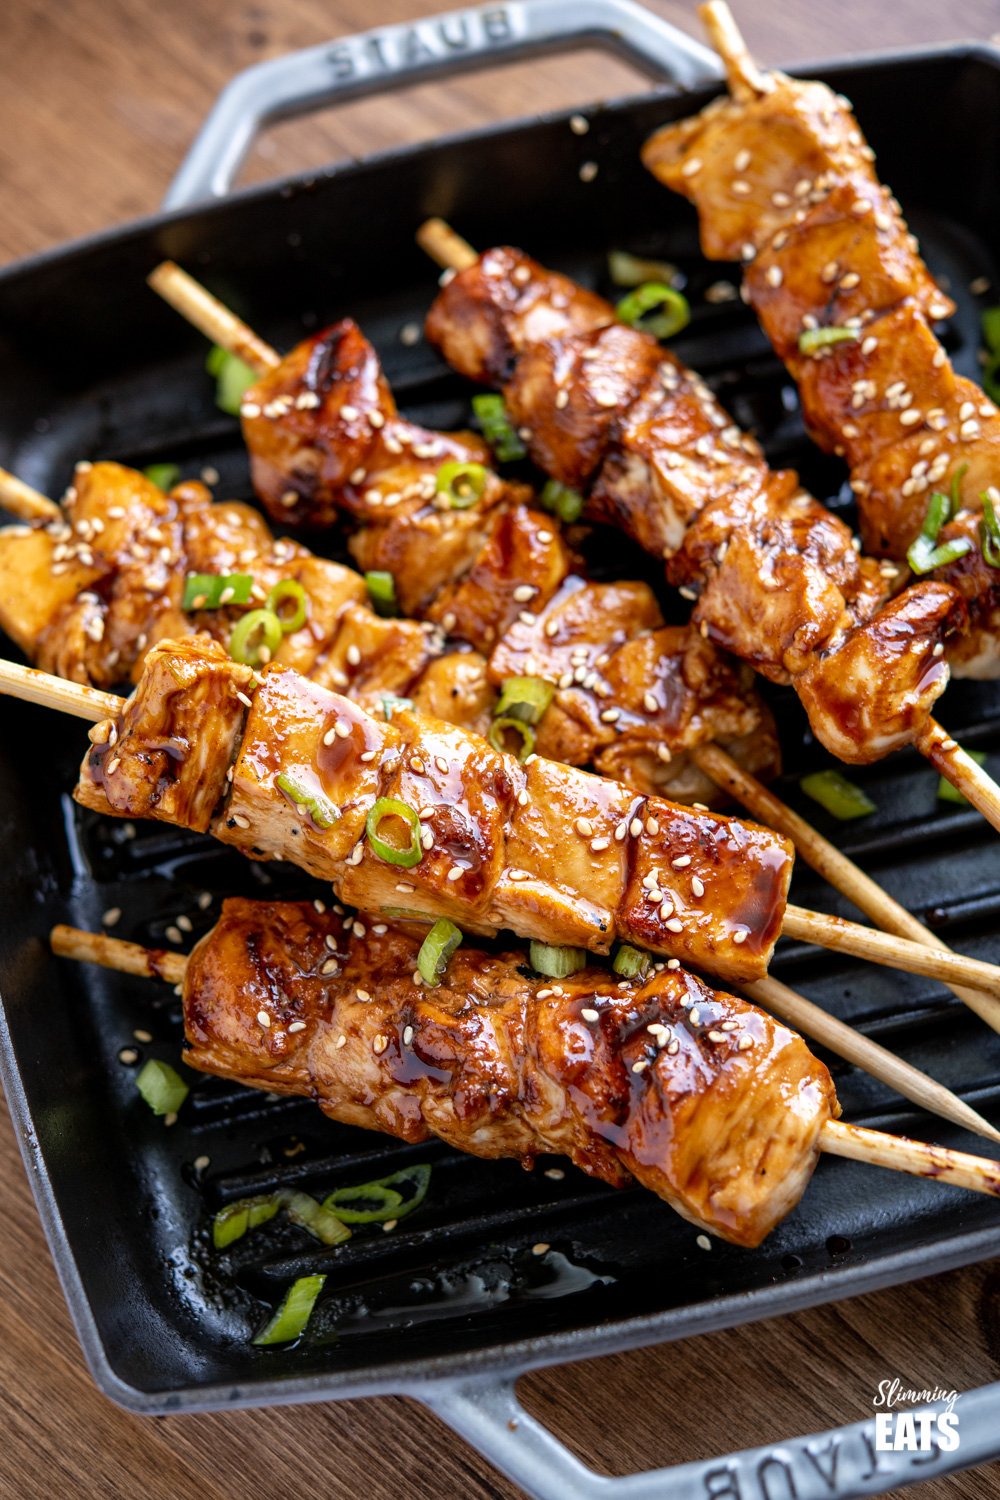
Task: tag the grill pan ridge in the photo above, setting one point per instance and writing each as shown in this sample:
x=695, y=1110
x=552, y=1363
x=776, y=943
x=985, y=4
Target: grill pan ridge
x=454, y=1294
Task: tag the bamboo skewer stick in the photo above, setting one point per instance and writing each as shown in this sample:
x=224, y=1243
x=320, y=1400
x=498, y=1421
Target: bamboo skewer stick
x=743, y=76
x=22, y=501
x=813, y=927
x=212, y=317
x=977, y=1173
x=827, y=860
x=870, y=1056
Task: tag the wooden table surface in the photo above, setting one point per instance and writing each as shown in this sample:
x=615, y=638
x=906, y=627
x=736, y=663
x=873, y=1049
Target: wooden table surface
x=98, y=102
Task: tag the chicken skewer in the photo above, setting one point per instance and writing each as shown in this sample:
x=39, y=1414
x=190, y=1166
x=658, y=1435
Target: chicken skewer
x=222, y=326
x=838, y=284
x=775, y=576
x=549, y=851
x=666, y=1082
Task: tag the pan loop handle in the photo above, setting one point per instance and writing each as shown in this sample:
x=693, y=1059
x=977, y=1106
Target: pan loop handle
x=842, y=1464
x=392, y=57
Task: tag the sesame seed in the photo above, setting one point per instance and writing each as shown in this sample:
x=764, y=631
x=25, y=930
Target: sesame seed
x=184, y=923
x=681, y=862
x=297, y=1026
x=649, y=703
x=379, y=1043
x=524, y=592
x=589, y=1014
x=697, y=886
x=674, y=925
x=641, y=1065
x=691, y=166
x=673, y=963
x=741, y=934
x=241, y=821
x=170, y=1119
x=741, y=188
x=407, y=1035
x=522, y=798
x=263, y=1019
x=516, y=874
x=562, y=400
x=555, y=1173
x=775, y=276
x=330, y=966
x=969, y=430
x=745, y=1042
x=113, y=764
x=910, y=417
x=541, y=1248
x=341, y=1041
x=850, y=281
x=716, y=1036
x=584, y=828
x=703, y=1242
x=598, y=844
x=112, y=916
x=353, y=654
x=128, y=1055
x=606, y=398
x=349, y=413
x=652, y=827
x=455, y=873
x=588, y=171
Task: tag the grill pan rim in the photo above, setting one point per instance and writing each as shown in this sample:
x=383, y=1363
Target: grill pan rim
x=421, y=1376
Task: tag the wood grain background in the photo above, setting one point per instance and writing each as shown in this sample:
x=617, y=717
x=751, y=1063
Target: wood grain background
x=98, y=101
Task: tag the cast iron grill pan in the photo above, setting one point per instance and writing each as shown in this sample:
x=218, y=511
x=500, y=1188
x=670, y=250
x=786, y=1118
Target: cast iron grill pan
x=96, y=366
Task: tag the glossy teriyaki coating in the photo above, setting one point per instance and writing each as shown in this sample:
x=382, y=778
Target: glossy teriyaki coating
x=544, y=849
x=697, y=1095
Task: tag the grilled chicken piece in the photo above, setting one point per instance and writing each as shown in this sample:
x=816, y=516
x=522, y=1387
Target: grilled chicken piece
x=776, y=578
x=786, y=182
x=543, y=849
x=698, y=1096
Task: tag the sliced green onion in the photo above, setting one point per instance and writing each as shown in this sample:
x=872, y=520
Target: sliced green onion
x=948, y=793
x=955, y=490
x=561, y=501
x=989, y=530
x=509, y=725
x=436, y=950
x=556, y=963
x=822, y=338
x=255, y=638
x=923, y=554
x=462, y=484
x=406, y=855
x=390, y=1204
x=639, y=309
x=991, y=378
x=233, y=378
x=924, y=557
x=314, y=1216
x=318, y=806
x=232, y=1222
x=391, y=704
x=382, y=593
x=633, y=270
x=524, y=698
x=205, y=590
x=290, y=1320
x=991, y=329
x=497, y=428
x=289, y=588
x=162, y=1087
x=631, y=963
x=841, y=798
x=164, y=476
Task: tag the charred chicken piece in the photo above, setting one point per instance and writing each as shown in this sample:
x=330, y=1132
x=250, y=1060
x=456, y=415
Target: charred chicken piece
x=698, y=1096
x=421, y=815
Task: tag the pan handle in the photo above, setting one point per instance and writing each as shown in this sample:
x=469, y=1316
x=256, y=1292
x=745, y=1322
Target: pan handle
x=841, y=1464
x=392, y=57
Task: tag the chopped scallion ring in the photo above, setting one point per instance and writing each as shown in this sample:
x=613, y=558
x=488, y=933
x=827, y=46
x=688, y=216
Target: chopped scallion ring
x=232, y=1222
x=318, y=806
x=314, y=1216
x=384, y=1193
x=631, y=963
x=164, y=476
x=989, y=530
x=840, y=797
x=923, y=554
x=255, y=638
x=162, y=1087
x=948, y=793
x=639, y=309
x=561, y=501
x=289, y=589
x=233, y=378
x=382, y=593
x=216, y=590
x=436, y=950
x=633, y=270
x=291, y=1318
x=462, y=484
x=501, y=727
x=556, y=963
x=391, y=704
x=497, y=428
x=822, y=338
x=388, y=809
x=524, y=698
